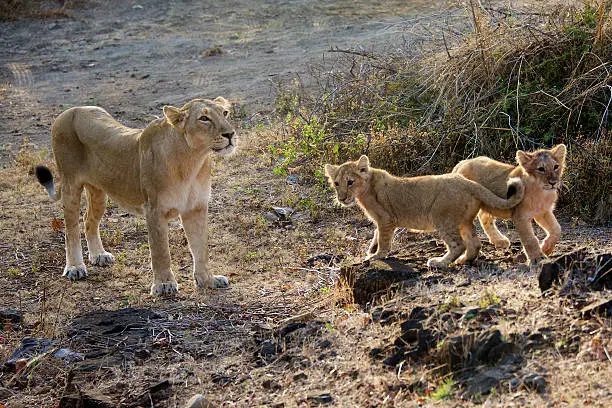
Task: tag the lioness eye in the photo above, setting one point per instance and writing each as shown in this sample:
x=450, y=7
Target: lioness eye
x=204, y=118
x=541, y=169
x=349, y=182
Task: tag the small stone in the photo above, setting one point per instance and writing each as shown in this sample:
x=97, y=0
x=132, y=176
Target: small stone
x=198, y=401
x=300, y=376
x=323, y=399
x=535, y=382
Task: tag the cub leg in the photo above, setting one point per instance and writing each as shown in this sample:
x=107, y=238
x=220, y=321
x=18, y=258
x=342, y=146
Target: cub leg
x=96, y=204
x=472, y=243
x=374, y=243
x=495, y=236
x=71, y=200
x=163, y=278
x=454, y=245
x=531, y=246
x=195, y=225
x=384, y=235
x=549, y=223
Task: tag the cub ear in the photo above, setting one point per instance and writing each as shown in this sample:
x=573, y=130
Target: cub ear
x=559, y=152
x=523, y=158
x=363, y=163
x=330, y=170
x=175, y=117
x=227, y=106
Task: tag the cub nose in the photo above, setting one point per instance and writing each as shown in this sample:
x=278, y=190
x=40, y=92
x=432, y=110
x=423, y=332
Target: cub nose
x=228, y=135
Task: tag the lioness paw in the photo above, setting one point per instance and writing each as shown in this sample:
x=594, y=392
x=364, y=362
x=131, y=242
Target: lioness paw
x=164, y=288
x=75, y=272
x=103, y=259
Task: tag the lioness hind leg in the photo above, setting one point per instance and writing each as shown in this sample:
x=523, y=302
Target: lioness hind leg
x=549, y=223
x=495, y=236
x=195, y=225
x=472, y=244
x=454, y=246
x=71, y=200
x=96, y=204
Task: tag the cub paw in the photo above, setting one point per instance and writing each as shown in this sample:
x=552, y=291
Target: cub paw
x=501, y=243
x=75, y=272
x=103, y=259
x=437, y=262
x=164, y=288
x=547, y=247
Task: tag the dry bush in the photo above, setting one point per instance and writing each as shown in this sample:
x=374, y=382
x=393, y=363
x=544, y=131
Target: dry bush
x=522, y=79
x=11, y=10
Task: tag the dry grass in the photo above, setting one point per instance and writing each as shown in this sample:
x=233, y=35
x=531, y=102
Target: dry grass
x=211, y=335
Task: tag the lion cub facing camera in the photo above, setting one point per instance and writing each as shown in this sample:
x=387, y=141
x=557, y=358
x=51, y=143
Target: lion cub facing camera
x=446, y=203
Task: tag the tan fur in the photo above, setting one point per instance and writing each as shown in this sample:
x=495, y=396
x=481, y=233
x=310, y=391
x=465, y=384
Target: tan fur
x=447, y=203
x=162, y=171
x=540, y=172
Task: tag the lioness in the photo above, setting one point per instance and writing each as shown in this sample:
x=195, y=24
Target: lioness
x=162, y=171
x=447, y=203
x=540, y=172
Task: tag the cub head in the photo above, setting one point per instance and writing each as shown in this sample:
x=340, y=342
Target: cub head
x=545, y=165
x=350, y=180
x=204, y=124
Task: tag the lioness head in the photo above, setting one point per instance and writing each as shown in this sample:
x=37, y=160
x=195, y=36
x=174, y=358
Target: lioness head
x=545, y=165
x=204, y=124
x=350, y=180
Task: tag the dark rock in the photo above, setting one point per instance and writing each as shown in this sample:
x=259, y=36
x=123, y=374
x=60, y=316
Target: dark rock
x=394, y=359
x=485, y=343
x=421, y=313
x=553, y=271
x=602, y=278
x=324, y=344
x=271, y=385
x=372, y=279
x=375, y=352
x=482, y=383
x=532, y=382
x=267, y=351
x=83, y=400
x=29, y=348
x=549, y=275
x=221, y=379
x=411, y=324
x=321, y=399
x=407, y=337
x=11, y=316
x=156, y=393
x=300, y=376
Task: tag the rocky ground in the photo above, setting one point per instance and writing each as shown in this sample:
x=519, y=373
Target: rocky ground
x=305, y=322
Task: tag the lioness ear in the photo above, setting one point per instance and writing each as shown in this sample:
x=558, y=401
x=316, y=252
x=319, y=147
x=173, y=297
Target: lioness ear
x=559, y=152
x=363, y=163
x=330, y=170
x=227, y=106
x=175, y=117
x=522, y=158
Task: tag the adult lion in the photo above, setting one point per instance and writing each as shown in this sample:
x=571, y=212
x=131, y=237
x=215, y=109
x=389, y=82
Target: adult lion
x=540, y=171
x=162, y=171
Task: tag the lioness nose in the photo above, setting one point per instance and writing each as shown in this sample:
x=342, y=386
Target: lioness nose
x=228, y=135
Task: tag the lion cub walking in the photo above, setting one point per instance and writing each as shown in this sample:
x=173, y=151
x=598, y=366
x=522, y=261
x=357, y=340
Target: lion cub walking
x=447, y=203
x=540, y=172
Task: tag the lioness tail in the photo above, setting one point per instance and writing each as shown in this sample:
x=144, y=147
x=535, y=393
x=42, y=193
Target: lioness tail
x=45, y=177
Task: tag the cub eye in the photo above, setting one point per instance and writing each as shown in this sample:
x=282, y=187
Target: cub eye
x=225, y=113
x=336, y=184
x=556, y=167
x=204, y=118
x=349, y=183
x=541, y=169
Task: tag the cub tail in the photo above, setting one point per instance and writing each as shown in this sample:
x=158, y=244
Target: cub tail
x=45, y=177
x=514, y=194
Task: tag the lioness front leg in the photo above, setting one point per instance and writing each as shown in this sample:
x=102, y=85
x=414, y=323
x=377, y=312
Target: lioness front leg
x=71, y=200
x=531, y=245
x=163, y=278
x=195, y=225
x=96, y=204
x=549, y=223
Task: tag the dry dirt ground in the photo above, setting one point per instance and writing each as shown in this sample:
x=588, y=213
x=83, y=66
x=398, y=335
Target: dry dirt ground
x=285, y=333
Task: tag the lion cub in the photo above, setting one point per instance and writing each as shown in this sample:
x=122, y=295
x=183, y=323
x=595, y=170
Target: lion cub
x=447, y=203
x=540, y=172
